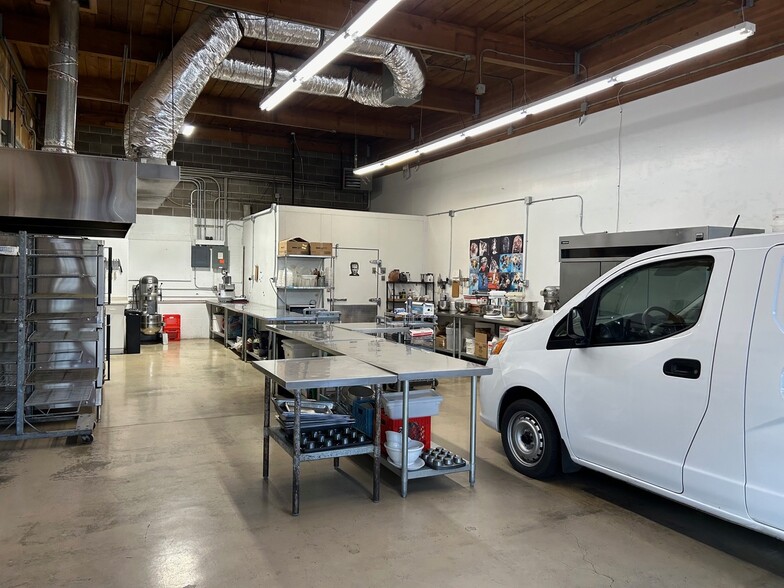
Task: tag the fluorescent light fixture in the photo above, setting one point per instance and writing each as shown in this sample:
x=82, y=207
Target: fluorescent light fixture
x=581, y=91
x=665, y=60
x=441, y=143
x=339, y=42
x=688, y=51
x=498, y=122
x=187, y=130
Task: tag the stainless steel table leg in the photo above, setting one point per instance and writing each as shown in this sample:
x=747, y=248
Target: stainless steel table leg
x=472, y=437
x=225, y=327
x=336, y=462
x=296, y=458
x=404, y=459
x=267, y=400
x=377, y=444
x=244, y=353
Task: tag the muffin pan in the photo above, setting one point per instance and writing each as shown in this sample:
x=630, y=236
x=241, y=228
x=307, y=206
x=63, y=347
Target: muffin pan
x=325, y=439
x=439, y=458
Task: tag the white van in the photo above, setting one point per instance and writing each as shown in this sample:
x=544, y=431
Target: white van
x=667, y=372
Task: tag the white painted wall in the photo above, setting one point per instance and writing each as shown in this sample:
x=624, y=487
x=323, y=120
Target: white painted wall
x=696, y=155
x=400, y=239
x=161, y=246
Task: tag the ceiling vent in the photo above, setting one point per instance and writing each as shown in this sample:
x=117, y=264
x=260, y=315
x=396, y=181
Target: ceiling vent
x=355, y=183
x=90, y=6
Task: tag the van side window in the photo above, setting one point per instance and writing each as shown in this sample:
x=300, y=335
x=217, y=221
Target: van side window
x=652, y=302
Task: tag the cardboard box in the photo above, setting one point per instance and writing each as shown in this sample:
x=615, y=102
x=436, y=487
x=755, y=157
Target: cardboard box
x=294, y=246
x=440, y=341
x=320, y=248
x=482, y=338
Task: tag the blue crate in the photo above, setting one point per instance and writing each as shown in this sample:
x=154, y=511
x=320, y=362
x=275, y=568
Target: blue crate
x=363, y=413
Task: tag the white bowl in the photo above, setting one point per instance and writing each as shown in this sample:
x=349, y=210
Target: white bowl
x=394, y=437
x=395, y=452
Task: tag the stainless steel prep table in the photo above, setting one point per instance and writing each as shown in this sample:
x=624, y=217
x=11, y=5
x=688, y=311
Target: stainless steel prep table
x=411, y=363
x=266, y=315
x=408, y=363
x=318, y=372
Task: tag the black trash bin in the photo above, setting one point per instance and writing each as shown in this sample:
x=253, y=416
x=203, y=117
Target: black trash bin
x=133, y=331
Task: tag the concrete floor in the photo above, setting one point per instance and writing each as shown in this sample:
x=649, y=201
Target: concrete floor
x=171, y=494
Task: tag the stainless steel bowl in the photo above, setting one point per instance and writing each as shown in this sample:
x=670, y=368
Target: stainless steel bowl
x=443, y=305
x=151, y=324
x=461, y=306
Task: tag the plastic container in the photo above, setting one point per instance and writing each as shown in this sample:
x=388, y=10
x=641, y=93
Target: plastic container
x=451, y=337
x=418, y=429
x=421, y=403
x=295, y=349
x=307, y=280
x=171, y=321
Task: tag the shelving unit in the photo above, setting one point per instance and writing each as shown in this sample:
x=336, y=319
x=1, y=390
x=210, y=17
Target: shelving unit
x=460, y=319
x=293, y=294
x=53, y=328
x=419, y=289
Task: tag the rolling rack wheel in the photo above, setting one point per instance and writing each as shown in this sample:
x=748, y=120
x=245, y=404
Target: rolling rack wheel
x=86, y=439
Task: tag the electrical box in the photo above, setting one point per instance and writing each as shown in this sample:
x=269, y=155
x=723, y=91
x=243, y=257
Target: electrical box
x=200, y=257
x=220, y=257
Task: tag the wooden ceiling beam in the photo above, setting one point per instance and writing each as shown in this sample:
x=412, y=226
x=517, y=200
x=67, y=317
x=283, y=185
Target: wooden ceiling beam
x=31, y=30
x=243, y=110
x=227, y=135
x=400, y=27
x=146, y=50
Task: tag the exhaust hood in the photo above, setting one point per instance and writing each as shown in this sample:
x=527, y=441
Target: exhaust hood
x=64, y=194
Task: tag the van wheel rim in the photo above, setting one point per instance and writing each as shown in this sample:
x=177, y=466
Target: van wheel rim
x=526, y=439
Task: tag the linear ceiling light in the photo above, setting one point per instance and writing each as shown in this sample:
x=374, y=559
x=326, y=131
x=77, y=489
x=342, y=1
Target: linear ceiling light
x=337, y=44
x=644, y=68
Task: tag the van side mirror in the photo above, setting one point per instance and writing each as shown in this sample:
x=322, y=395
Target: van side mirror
x=575, y=327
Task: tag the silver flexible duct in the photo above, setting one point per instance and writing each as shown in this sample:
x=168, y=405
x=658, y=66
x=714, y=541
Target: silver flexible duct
x=257, y=68
x=158, y=108
x=405, y=65
x=60, y=129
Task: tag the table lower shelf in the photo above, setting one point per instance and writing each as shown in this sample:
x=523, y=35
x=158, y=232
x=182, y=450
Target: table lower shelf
x=424, y=471
x=280, y=437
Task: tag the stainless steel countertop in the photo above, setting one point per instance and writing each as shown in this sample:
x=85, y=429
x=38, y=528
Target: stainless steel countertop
x=263, y=312
x=382, y=328
x=322, y=372
x=481, y=319
x=408, y=362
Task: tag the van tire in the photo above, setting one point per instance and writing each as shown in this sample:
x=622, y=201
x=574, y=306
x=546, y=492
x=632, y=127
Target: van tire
x=531, y=439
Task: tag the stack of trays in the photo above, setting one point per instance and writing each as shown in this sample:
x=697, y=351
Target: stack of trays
x=314, y=415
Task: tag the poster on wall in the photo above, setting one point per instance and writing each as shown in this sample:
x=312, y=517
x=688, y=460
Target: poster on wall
x=496, y=263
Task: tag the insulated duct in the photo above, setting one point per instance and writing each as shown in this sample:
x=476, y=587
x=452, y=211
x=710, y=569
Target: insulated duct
x=60, y=128
x=257, y=68
x=158, y=108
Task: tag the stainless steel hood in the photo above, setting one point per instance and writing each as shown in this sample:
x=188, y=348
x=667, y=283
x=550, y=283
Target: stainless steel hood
x=64, y=194
x=154, y=182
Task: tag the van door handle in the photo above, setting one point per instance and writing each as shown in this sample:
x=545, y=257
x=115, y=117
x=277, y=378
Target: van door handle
x=682, y=368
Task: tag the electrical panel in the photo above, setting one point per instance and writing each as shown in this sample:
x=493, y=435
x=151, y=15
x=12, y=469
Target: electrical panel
x=200, y=257
x=220, y=257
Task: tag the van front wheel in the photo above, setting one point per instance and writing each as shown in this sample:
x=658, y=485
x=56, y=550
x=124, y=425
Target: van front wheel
x=530, y=438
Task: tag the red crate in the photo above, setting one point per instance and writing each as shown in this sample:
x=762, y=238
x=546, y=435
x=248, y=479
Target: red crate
x=171, y=321
x=418, y=428
x=174, y=334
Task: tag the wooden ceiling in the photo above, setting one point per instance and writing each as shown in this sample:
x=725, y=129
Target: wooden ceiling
x=520, y=50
